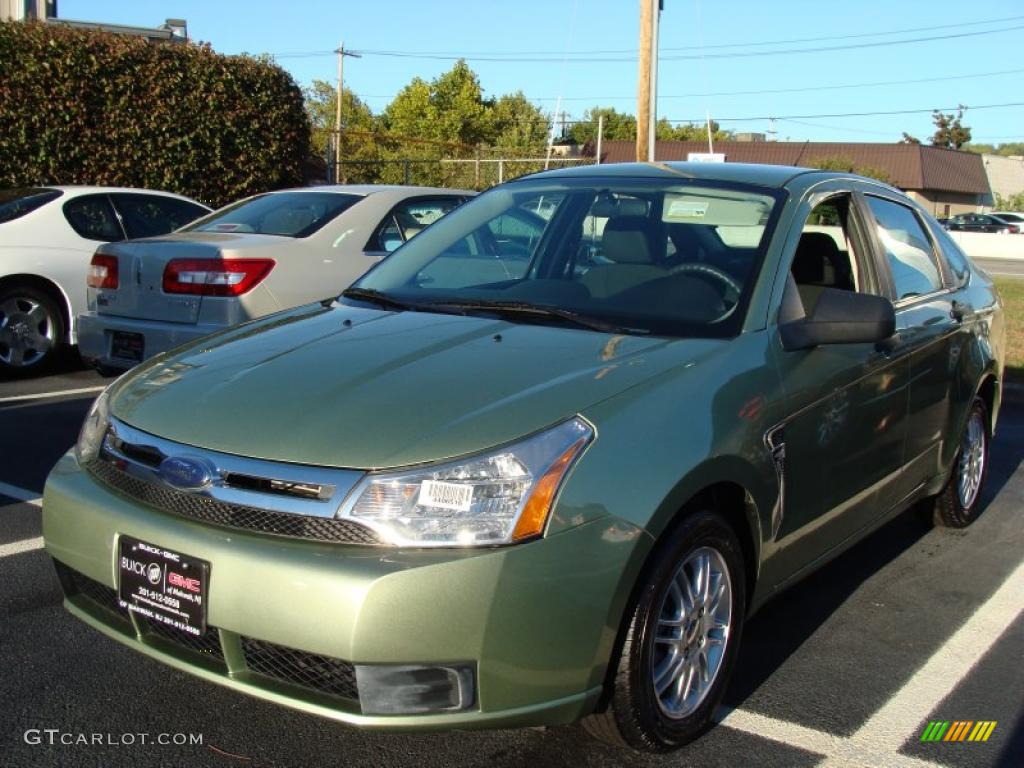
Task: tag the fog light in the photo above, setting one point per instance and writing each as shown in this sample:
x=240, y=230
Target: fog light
x=407, y=689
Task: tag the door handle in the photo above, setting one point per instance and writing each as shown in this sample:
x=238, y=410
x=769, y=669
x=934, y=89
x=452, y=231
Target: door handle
x=957, y=311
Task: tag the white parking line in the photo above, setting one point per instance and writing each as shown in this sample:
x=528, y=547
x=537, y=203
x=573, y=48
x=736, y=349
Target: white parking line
x=21, y=494
x=17, y=547
x=877, y=741
x=55, y=393
x=890, y=726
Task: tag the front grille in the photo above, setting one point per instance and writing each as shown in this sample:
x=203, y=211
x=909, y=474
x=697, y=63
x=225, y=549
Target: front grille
x=307, y=670
x=215, y=512
x=100, y=595
x=78, y=584
x=207, y=644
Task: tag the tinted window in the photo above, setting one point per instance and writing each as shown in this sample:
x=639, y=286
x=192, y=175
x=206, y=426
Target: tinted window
x=954, y=256
x=15, y=203
x=907, y=249
x=152, y=215
x=408, y=219
x=92, y=217
x=291, y=214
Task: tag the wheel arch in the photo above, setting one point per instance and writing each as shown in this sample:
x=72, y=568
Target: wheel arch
x=51, y=289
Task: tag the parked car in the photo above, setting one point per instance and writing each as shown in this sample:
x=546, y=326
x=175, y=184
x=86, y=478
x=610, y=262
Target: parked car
x=47, y=235
x=1011, y=217
x=482, y=491
x=256, y=256
x=981, y=222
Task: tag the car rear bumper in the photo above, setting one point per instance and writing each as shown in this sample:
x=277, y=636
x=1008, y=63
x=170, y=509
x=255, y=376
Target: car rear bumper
x=96, y=333
x=537, y=622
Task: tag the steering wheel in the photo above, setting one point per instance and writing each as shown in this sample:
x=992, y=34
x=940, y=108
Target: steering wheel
x=731, y=294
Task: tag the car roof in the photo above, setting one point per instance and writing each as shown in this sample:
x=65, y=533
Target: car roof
x=748, y=173
x=371, y=189
x=72, y=190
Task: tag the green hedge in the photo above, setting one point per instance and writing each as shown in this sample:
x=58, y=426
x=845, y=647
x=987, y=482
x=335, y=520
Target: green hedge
x=86, y=107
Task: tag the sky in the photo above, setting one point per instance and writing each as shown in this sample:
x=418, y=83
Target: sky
x=817, y=67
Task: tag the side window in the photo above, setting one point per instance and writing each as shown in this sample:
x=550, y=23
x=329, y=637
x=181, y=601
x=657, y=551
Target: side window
x=955, y=257
x=408, y=219
x=825, y=256
x=152, y=215
x=907, y=249
x=92, y=217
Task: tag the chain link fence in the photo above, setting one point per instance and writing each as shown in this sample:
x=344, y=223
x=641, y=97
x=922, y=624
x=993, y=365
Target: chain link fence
x=462, y=173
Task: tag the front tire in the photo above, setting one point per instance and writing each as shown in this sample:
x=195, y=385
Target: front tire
x=681, y=642
x=31, y=330
x=959, y=503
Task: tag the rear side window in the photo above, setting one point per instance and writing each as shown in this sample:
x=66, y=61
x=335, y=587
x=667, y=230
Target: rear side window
x=907, y=249
x=290, y=214
x=15, y=203
x=92, y=217
x=152, y=215
x=955, y=257
x=408, y=219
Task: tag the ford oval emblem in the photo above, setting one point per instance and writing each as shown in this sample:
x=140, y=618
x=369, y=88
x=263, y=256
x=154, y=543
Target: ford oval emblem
x=189, y=472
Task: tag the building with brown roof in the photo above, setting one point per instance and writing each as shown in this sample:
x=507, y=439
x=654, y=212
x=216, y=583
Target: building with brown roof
x=944, y=181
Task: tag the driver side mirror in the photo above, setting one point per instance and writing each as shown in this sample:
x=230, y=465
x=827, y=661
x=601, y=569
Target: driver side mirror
x=841, y=317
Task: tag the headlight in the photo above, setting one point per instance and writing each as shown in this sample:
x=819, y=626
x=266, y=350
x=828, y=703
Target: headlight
x=94, y=428
x=499, y=497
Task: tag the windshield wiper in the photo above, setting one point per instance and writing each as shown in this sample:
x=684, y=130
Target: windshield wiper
x=378, y=298
x=538, y=310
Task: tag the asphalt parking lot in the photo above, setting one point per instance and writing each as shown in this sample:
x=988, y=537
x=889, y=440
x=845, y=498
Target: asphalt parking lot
x=847, y=669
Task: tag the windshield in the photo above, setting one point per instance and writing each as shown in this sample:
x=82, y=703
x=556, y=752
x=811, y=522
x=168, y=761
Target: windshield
x=291, y=214
x=627, y=256
x=15, y=203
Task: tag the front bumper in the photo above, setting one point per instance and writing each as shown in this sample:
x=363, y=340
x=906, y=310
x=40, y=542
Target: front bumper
x=538, y=620
x=95, y=336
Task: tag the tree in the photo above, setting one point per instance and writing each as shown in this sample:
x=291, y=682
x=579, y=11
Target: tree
x=665, y=131
x=950, y=132
x=618, y=126
x=357, y=123
x=908, y=139
x=519, y=127
x=1010, y=202
x=1004, y=150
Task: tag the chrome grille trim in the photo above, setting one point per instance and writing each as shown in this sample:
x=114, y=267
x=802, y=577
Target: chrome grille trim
x=210, y=511
x=269, y=485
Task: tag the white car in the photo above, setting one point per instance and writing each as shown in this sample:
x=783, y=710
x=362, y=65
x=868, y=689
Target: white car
x=256, y=256
x=47, y=237
x=1011, y=217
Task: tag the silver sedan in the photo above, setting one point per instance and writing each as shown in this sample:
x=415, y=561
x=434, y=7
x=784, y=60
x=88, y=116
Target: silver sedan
x=259, y=255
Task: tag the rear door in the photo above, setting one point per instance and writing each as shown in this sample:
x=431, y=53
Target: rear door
x=926, y=326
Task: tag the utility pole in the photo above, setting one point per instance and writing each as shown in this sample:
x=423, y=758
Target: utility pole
x=342, y=53
x=647, y=81
x=600, y=136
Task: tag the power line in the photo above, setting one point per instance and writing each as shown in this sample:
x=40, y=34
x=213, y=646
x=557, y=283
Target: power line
x=690, y=57
x=722, y=46
x=852, y=114
x=770, y=91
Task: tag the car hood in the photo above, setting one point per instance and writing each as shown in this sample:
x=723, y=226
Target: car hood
x=349, y=387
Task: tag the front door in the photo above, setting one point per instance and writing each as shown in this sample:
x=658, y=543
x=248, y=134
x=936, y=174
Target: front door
x=846, y=427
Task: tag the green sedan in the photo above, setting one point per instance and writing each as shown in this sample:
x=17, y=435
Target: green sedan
x=540, y=464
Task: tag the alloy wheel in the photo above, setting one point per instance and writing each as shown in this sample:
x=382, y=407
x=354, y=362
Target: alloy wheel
x=28, y=332
x=692, y=632
x=971, y=466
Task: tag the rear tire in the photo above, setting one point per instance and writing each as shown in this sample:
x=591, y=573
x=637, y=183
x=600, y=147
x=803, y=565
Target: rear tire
x=959, y=503
x=31, y=331
x=681, y=640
